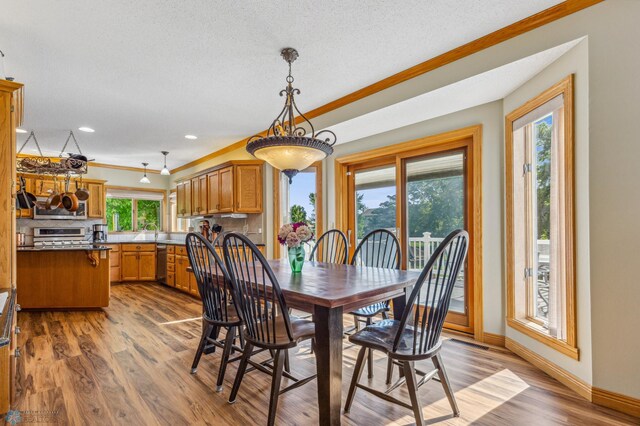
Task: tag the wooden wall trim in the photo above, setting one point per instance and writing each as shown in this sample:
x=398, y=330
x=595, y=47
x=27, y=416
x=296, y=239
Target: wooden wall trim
x=616, y=401
x=127, y=168
x=133, y=188
x=525, y=25
x=569, y=380
x=494, y=339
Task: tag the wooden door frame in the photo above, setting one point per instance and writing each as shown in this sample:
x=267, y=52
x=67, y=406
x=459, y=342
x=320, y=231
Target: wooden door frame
x=277, y=176
x=469, y=137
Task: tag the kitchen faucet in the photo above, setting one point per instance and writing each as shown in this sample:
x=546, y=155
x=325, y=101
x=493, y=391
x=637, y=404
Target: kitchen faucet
x=155, y=228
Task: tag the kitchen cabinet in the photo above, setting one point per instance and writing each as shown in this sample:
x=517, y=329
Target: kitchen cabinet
x=114, y=261
x=183, y=199
x=182, y=276
x=199, y=195
x=233, y=187
x=96, y=202
x=248, y=188
x=138, y=262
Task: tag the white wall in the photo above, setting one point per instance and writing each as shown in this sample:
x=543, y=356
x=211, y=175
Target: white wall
x=116, y=177
x=575, y=61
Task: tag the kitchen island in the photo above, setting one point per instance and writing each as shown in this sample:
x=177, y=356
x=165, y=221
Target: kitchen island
x=63, y=278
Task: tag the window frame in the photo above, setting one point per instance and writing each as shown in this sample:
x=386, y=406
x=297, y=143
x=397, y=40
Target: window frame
x=134, y=207
x=277, y=176
x=529, y=325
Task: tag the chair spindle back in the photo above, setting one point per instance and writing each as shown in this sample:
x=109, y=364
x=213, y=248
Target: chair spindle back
x=331, y=247
x=380, y=248
x=212, y=278
x=428, y=303
x=258, y=295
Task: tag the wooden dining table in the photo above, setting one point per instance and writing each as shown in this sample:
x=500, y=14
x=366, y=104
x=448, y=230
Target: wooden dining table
x=328, y=291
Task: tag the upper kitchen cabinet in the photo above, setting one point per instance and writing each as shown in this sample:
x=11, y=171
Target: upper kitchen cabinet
x=199, y=195
x=183, y=199
x=232, y=187
x=248, y=188
x=96, y=202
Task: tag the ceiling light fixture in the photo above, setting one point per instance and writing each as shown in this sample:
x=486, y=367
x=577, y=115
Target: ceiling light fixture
x=145, y=179
x=191, y=137
x=19, y=130
x=286, y=146
x=86, y=129
x=165, y=171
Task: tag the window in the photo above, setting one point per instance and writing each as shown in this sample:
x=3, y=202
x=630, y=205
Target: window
x=131, y=211
x=178, y=224
x=541, y=295
x=298, y=201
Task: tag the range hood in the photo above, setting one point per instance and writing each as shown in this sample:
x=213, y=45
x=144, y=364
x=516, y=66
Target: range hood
x=234, y=215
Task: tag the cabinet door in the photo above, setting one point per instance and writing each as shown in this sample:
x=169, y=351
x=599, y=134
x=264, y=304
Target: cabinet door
x=182, y=281
x=129, y=268
x=203, y=193
x=114, y=274
x=226, y=190
x=95, y=203
x=248, y=188
x=188, y=206
x=213, y=192
x=180, y=199
x=193, y=284
x=147, y=265
x=195, y=196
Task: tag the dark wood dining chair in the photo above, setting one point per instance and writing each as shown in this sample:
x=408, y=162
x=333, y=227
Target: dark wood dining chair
x=380, y=248
x=219, y=310
x=331, y=247
x=268, y=325
x=416, y=336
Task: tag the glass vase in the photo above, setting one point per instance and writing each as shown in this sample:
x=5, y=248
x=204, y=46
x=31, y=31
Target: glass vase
x=296, y=259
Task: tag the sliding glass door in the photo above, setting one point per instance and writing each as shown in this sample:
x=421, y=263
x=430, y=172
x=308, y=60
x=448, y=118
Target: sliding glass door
x=421, y=197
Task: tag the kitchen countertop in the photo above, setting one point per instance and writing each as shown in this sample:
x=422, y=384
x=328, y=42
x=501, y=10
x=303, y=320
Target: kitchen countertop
x=173, y=242
x=88, y=248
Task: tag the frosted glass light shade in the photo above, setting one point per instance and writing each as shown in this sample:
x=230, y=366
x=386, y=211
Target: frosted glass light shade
x=145, y=179
x=290, y=157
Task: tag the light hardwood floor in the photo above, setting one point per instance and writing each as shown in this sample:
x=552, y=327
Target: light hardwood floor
x=129, y=364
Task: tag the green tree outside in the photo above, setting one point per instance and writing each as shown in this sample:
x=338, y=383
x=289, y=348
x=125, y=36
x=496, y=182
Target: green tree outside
x=297, y=213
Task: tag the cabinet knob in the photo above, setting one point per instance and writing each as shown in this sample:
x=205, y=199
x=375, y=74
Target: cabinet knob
x=17, y=330
x=138, y=247
x=17, y=353
x=18, y=307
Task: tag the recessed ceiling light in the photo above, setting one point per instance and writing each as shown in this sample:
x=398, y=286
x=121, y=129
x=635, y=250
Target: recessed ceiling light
x=18, y=130
x=192, y=137
x=86, y=129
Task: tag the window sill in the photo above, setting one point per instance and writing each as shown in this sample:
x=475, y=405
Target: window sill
x=538, y=333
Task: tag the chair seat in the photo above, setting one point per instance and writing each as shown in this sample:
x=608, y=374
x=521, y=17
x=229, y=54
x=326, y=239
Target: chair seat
x=381, y=335
x=371, y=310
x=232, y=316
x=301, y=329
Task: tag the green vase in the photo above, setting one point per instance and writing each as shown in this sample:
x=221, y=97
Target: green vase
x=296, y=259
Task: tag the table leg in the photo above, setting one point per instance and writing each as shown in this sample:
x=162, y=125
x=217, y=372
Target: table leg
x=399, y=305
x=328, y=350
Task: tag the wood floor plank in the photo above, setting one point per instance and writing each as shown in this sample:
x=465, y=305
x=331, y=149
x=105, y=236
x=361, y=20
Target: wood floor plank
x=130, y=364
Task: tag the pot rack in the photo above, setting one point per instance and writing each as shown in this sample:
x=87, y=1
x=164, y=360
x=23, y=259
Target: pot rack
x=41, y=165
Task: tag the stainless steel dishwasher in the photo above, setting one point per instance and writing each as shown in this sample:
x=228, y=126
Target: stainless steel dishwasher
x=161, y=263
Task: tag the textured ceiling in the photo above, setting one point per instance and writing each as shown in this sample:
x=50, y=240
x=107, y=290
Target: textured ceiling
x=144, y=73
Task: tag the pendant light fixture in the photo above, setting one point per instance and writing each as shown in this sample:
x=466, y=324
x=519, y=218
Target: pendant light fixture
x=286, y=145
x=145, y=179
x=165, y=171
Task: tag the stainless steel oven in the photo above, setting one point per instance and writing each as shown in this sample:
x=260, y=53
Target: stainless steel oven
x=60, y=213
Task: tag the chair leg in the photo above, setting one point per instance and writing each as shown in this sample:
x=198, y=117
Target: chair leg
x=389, y=370
x=228, y=344
x=357, y=372
x=248, y=348
x=444, y=379
x=278, y=365
x=356, y=323
x=203, y=341
x=287, y=365
x=370, y=356
x=412, y=386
